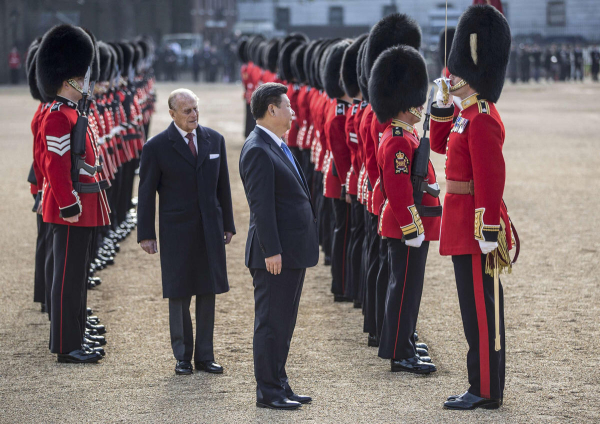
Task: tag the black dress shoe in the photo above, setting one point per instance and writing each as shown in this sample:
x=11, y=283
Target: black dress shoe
x=300, y=398
x=422, y=352
x=99, y=350
x=99, y=328
x=470, y=401
x=183, y=368
x=280, y=404
x=89, y=311
x=416, y=336
x=372, y=341
x=209, y=366
x=98, y=339
x=421, y=346
x=327, y=261
x=453, y=397
x=414, y=365
x=79, y=356
x=44, y=308
x=424, y=358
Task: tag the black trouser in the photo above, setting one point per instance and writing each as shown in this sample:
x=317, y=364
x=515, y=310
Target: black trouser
x=407, y=271
x=276, y=300
x=371, y=277
x=364, y=259
x=485, y=366
x=339, y=246
x=354, y=257
x=49, y=267
x=182, y=334
x=71, y=254
x=39, y=284
x=382, y=284
x=250, y=122
x=326, y=219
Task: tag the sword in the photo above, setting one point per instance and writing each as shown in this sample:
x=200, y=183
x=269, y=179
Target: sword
x=428, y=112
x=86, y=86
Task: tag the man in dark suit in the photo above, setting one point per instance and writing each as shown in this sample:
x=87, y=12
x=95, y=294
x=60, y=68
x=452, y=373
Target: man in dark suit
x=187, y=165
x=282, y=241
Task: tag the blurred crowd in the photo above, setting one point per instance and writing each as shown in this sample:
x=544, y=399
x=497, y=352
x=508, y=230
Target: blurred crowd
x=553, y=63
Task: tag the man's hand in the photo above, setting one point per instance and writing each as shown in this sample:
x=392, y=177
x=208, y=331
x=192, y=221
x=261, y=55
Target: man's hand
x=228, y=237
x=39, y=209
x=440, y=100
x=348, y=198
x=487, y=246
x=274, y=264
x=415, y=242
x=73, y=219
x=149, y=246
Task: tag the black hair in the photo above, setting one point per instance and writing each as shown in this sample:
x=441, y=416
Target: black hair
x=265, y=95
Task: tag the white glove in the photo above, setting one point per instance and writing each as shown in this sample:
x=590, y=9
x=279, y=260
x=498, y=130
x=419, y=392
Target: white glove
x=440, y=99
x=487, y=246
x=415, y=242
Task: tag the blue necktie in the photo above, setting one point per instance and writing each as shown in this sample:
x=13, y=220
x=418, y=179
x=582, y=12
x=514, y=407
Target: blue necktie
x=288, y=153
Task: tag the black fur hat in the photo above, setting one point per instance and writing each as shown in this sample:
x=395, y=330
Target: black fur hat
x=308, y=60
x=398, y=82
x=105, y=61
x=297, y=62
x=65, y=52
x=119, y=52
x=348, y=72
x=451, y=32
x=145, y=46
x=252, y=45
x=241, y=49
x=95, y=71
x=137, y=56
x=363, y=82
x=30, y=70
x=272, y=55
x=284, y=64
x=114, y=62
x=481, y=49
x=320, y=59
x=330, y=69
x=393, y=30
x=258, y=57
x=128, y=52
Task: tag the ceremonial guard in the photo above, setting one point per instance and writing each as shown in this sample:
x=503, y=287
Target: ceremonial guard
x=409, y=218
x=74, y=202
x=476, y=229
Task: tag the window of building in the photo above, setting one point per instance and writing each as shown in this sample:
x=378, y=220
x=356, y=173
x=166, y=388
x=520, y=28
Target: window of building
x=336, y=16
x=556, y=13
x=389, y=9
x=282, y=18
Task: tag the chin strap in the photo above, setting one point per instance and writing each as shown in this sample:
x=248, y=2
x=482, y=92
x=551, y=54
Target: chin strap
x=75, y=85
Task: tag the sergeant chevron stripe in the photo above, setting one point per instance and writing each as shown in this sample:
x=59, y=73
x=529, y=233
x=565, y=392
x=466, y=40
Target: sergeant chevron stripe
x=353, y=138
x=59, y=145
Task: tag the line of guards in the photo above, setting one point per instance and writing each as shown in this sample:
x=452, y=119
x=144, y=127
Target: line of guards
x=356, y=104
x=83, y=201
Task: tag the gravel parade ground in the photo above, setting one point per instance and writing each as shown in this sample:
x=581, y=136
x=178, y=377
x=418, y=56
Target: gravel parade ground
x=552, y=298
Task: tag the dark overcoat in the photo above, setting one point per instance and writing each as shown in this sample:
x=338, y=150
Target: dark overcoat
x=282, y=216
x=194, y=210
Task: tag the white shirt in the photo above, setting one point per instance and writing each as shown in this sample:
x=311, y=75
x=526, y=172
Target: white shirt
x=272, y=134
x=183, y=134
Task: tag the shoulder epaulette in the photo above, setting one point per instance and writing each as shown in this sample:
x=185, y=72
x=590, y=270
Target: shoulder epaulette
x=397, y=131
x=340, y=109
x=483, y=106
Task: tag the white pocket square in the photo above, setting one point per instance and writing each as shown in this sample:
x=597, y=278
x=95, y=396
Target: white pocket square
x=214, y=156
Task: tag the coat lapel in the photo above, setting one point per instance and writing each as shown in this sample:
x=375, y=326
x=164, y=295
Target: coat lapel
x=203, y=145
x=279, y=151
x=179, y=145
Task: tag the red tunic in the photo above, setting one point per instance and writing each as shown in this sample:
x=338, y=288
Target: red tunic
x=377, y=129
x=473, y=148
x=60, y=199
x=399, y=216
x=337, y=156
x=351, y=180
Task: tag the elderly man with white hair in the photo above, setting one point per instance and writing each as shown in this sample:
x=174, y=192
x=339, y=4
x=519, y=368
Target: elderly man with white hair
x=187, y=165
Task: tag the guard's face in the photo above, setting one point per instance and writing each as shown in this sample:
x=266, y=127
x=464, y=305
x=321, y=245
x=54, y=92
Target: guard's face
x=284, y=113
x=186, y=113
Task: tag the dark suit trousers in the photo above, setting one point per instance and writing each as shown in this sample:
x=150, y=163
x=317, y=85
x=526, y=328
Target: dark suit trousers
x=276, y=300
x=180, y=326
x=339, y=247
x=485, y=366
x=407, y=272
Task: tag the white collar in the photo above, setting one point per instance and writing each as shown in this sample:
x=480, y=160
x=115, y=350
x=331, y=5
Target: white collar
x=184, y=133
x=272, y=134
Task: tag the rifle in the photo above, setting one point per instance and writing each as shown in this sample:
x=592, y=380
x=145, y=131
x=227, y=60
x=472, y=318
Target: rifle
x=420, y=168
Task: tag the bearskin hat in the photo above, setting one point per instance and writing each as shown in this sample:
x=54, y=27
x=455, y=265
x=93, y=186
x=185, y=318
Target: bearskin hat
x=297, y=62
x=348, y=72
x=128, y=53
x=320, y=59
x=241, y=49
x=330, y=69
x=363, y=82
x=481, y=49
x=114, y=63
x=258, y=57
x=145, y=47
x=119, y=52
x=105, y=61
x=65, y=52
x=95, y=69
x=252, y=45
x=308, y=57
x=272, y=55
x=393, y=30
x=398, y=82
x=30, y=69
x=448, y=44
x=284, y=64
x=137, y=56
